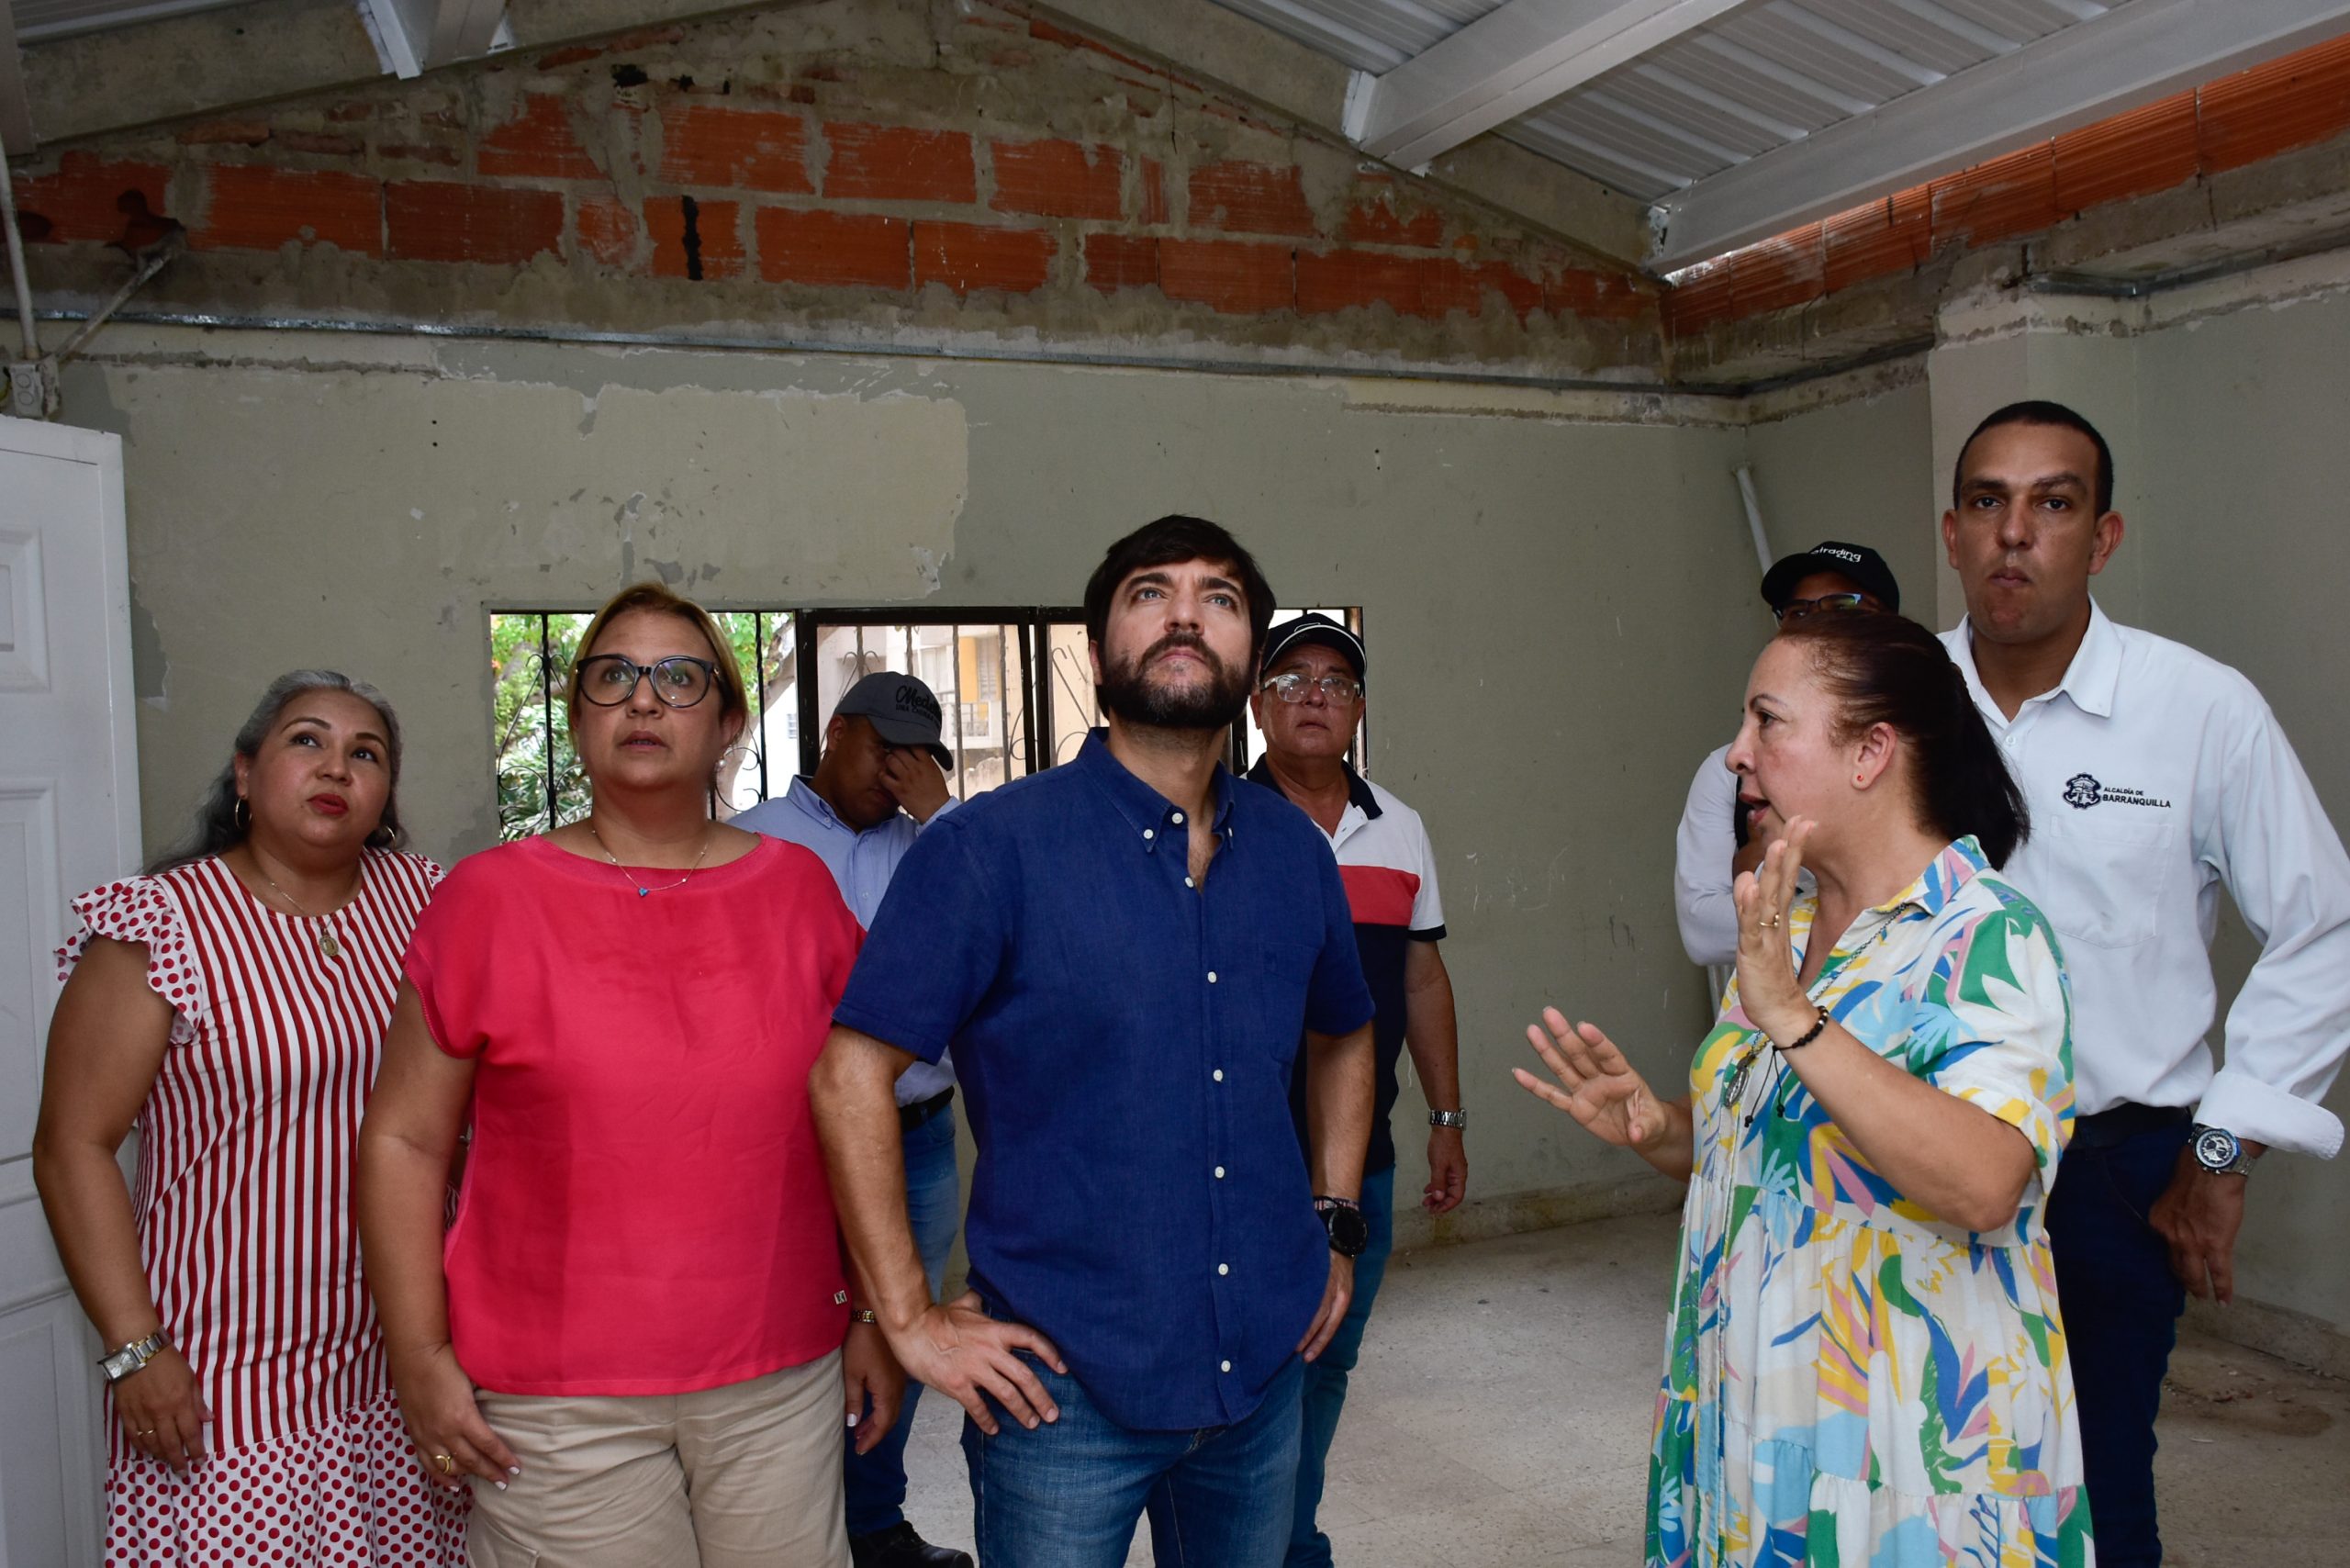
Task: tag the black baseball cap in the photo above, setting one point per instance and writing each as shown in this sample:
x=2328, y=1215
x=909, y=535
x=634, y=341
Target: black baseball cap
x=1863, y=566
x=901, y=711
x=1313, y=627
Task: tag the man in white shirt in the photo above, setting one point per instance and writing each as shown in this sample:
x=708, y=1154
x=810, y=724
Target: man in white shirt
x=1711, y=849
x=880, y=783
x=2153, y=775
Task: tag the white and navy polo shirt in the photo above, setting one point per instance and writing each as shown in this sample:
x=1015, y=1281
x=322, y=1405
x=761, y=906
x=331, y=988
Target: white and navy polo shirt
x=1388, y=870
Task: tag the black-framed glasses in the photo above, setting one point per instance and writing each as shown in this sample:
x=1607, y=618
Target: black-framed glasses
x=1290, y=685
x=1802, y=609
x=609, y=680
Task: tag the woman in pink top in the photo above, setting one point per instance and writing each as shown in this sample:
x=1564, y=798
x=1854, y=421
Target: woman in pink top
x=634, y=1327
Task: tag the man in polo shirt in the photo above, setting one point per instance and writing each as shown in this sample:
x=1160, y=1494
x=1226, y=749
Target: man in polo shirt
x=1712, y=848
x=1125, y=953
x=1308, y=705
x=880, y=783
x=2154, y=776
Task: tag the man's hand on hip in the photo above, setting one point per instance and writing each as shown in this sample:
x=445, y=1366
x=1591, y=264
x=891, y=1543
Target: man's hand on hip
x=959, y=1350
x=1336, y=1296
x=2198, y=1214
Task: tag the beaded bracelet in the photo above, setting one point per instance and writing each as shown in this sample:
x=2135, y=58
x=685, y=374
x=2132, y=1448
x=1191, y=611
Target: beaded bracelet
x=1808, y=1034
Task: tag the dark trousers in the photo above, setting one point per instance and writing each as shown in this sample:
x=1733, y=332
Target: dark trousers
x=2120, y=1303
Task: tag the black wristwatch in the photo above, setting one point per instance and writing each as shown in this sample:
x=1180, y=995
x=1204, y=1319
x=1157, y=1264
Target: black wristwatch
x=1342, y=1217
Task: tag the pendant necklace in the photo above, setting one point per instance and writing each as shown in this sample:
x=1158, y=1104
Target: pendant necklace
x=323, y=931
x=641, y=891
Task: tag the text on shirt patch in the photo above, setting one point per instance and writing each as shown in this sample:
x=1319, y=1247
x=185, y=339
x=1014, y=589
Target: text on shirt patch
x=2082, y=791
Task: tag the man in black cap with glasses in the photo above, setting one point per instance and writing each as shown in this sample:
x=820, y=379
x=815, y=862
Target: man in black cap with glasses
x=1711, y=849
x=1309, y=703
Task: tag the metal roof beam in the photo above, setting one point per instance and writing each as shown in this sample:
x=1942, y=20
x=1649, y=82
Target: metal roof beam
x=419, y=35
x=1505, y=62
x=2123, y=57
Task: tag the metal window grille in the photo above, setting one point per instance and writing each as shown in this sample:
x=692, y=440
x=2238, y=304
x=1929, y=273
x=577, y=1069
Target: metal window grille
x=1015, y=685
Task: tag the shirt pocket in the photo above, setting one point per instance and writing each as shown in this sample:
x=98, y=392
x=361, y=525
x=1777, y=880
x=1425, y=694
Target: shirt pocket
x=1285, y=971
x=2106, y=877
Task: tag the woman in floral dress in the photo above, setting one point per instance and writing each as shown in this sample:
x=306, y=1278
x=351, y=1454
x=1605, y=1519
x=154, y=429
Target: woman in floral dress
x=1865, y=1364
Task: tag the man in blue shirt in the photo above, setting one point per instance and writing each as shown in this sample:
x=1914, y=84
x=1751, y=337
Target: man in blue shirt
x=1124, y=953
x=879, y=784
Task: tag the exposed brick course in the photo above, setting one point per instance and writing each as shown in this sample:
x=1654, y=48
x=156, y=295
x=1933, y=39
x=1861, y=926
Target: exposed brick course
x=538, y=143
x=252, y=206
x=693, y=239
x=1058, y=179
x=760, y=149
x=443, y=220
x=969, y=257
x=1250, y=198
x=881, y=162
x=833, y=250
x=1230, y=276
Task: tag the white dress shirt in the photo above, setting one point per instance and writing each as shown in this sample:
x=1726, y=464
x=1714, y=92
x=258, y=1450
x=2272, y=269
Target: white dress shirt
x=1702, y=852
x=2154, y=774
x=862, y=864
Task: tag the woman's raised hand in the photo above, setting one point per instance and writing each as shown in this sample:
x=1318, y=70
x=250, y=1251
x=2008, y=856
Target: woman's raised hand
x=1768, y=990
x=1595, y=1085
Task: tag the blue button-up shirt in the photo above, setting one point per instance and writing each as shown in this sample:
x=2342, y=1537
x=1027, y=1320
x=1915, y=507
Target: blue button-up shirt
x=862, y=864
x=1124, y=1042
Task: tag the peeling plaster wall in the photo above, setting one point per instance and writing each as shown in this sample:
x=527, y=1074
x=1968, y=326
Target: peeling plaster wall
x=2246, y=554
x=1558, y=589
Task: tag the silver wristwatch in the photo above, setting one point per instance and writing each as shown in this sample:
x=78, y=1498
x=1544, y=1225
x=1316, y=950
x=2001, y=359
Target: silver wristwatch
x=133, y=1356
x=1447, y=1118
x=2220, y=1151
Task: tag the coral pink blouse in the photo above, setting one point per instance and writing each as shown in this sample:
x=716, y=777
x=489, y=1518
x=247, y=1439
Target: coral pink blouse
x=644, y=1208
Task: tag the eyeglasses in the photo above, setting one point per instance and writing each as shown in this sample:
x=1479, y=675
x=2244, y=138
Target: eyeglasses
x=609, y=680
x=1802, y=609
x=1292, y=685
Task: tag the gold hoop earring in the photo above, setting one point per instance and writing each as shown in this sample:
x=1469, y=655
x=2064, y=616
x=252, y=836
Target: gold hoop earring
x=242, y=816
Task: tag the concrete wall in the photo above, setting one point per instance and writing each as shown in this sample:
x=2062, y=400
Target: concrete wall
x=1558, y=591
x=2245, y=553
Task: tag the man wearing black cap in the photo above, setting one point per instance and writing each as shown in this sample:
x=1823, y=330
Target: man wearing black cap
x=1309, y=703
x=880, y=783
x=1711, y=849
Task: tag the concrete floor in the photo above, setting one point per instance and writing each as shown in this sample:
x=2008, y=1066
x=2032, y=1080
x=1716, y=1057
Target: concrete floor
x=1499, y=1416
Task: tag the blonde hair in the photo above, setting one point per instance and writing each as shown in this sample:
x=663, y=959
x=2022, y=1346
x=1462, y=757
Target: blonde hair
x=733, y=697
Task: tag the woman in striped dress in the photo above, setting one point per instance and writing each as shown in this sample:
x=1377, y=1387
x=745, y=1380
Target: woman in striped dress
x=232, y=1004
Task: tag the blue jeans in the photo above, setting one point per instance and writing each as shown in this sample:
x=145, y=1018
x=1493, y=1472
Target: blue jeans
x=1325, y=1377
x=876, y=1482
x=2120, y=1303
x=1069, y=1494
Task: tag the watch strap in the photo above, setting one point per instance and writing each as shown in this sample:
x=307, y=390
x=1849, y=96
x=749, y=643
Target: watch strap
x=121, y=1363
x=1447, y=1118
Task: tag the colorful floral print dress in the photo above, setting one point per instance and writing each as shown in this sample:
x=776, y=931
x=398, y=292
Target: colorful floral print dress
x=1850, y=1380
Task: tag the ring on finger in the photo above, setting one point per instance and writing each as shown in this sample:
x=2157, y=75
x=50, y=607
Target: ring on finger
x=443, y=1464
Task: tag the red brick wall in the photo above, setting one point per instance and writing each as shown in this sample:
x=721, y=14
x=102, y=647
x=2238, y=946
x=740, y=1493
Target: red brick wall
x=2296, y=101
x=952, y=166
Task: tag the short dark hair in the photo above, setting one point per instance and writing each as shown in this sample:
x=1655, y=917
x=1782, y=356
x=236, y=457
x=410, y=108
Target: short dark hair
x=1164, y=543
x=2040, y=411
x=1888, y=669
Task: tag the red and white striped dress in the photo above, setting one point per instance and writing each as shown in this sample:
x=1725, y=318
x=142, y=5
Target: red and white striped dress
x=243, y=1205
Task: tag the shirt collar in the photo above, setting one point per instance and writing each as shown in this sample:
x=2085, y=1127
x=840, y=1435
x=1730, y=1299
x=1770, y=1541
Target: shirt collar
x=1141, y=805
x=1951, y=869
x=1358, y=794
x=2090, y=680
x=803, y=794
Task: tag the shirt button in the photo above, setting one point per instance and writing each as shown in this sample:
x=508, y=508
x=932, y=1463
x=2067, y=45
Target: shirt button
x=1189, y=883
x=1178, y=817
x=1219, y=1172
x=1148, y=834
x=1211, y=976
x=1224, y=1268
x=1217, y=1075
x=1226, y=1366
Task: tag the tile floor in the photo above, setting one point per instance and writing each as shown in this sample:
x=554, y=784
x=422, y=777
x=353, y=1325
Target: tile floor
x=1500, y=1417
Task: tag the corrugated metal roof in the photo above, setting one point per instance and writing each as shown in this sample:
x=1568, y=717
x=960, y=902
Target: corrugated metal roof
x=1767, y=73
x=37, y=20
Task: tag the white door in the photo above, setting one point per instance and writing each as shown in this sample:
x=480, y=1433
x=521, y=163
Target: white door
x=69, y=820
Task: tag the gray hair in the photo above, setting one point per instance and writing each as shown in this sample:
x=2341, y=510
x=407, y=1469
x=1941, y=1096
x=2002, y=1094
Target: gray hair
x=217, y=827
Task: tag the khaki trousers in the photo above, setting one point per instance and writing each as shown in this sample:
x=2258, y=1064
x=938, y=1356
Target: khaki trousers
x=728, y=1477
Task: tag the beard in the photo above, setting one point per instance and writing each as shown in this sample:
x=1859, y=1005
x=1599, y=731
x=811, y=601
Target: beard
x=1217, y=704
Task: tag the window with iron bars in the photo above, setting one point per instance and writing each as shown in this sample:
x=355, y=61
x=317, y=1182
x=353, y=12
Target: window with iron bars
x=1015, y=688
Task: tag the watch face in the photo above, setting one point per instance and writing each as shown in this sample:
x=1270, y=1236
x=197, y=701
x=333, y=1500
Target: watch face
x=2216, y=1149
x=1349, y=1232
